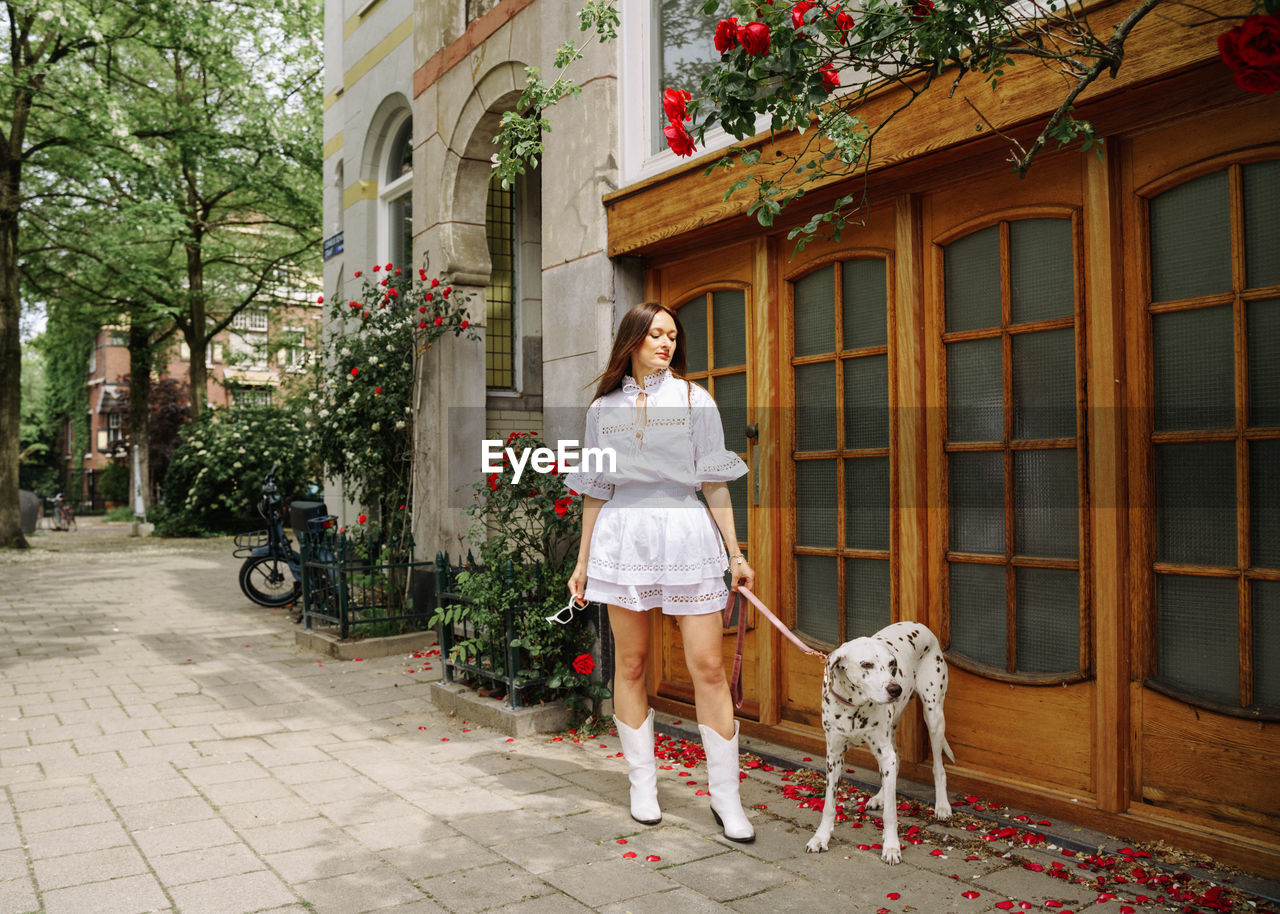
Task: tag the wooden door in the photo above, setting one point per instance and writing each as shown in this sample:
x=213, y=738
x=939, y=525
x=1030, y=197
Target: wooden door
x=1008, y=494
x=1203, y=307
x=715, y=299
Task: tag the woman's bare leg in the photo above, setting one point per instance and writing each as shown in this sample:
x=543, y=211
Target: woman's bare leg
x=630, y=658
x=703, y=637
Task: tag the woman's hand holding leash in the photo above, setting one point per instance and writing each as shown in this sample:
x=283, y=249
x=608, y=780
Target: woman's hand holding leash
x=743, y=574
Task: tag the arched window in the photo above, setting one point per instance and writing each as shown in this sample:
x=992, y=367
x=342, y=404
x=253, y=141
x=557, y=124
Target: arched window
x=396, y=230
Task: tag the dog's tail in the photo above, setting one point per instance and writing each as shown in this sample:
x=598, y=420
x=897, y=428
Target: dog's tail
x=946, y=750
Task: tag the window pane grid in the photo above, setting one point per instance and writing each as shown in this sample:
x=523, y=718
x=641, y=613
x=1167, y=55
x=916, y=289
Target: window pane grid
x=500, y=295
x=1214, y=437
x=842, y=436
x=1011, y=448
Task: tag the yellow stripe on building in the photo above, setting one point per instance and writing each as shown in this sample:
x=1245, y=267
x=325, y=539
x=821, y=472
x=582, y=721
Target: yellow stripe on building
x=360, y=190
x=333, y=145
x=380, y=50
x=330, y=99
x=350, y=26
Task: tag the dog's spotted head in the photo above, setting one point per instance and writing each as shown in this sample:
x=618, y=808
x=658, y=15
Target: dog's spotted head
x=865, y=670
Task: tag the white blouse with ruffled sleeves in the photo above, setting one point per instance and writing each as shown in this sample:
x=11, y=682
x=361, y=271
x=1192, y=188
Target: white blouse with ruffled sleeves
x=654, y=543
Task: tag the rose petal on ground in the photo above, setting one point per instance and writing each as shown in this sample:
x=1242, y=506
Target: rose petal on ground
x=893, y=896
x=971, y=895
x=622, y=841
x=630, y=854
x=653, y=858
x=937, y=852
x=1004, y=905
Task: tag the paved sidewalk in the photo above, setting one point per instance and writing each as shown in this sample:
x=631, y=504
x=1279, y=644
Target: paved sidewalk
x=164, y=746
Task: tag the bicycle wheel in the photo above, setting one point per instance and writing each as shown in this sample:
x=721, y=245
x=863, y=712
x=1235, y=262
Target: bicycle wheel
x=268, y=581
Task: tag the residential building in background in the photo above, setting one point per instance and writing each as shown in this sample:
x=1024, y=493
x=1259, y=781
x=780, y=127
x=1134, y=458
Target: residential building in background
x=1038, y=415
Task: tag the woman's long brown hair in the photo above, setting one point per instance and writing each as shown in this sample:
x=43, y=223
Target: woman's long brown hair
x=630, y=336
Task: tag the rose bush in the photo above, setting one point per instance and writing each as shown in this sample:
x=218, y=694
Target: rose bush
x=361, y=412
x=527, y=536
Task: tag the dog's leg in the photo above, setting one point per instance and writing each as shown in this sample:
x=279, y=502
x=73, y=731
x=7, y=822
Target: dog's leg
x=887, y=758
x=836, y=746
x=933, y=692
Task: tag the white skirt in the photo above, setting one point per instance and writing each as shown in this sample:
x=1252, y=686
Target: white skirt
x=656, y=546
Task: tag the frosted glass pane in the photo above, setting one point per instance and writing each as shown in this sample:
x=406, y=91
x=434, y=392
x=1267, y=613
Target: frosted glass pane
x=731, y=398
x=739, y=494
x=866, y=501
x=815, y=312
x=1046, y=504
x=1041, y=274
x=863, y=288
x=693, y=319
x=1264, y=362
x=1196, y=503
x=815, y=506
x=977, y=502
x=866, y=402
x=1266, y=643
x=1194, y=359
x=1264, y=502
x=1044, y=384
x=818, y=597
x=866, y=597
x=729, y=321
x=972, y=268
x=816, y=407
x=978, y=612
x=1197, y=632
x=975, y=393
x=1048, y=620
x=1262, y=224
x=1191, y=240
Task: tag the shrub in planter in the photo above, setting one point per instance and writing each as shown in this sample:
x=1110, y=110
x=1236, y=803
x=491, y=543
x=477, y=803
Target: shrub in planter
x=528, y=537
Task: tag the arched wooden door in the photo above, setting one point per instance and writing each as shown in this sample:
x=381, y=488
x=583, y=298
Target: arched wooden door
x=715, y=299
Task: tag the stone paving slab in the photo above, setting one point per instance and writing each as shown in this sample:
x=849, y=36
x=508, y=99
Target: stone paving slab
x=166, y=746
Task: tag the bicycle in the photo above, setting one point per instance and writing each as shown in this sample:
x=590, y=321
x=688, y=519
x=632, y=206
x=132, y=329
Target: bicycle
x=64, y=517
x=272, y=571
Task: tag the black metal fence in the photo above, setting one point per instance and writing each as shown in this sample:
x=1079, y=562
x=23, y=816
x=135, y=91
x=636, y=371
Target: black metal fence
x=359, y=586
x=483, y=652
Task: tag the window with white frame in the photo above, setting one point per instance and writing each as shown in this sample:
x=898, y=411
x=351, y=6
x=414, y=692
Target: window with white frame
x=294, y=355
x=251, y=319
x=251, y=397
x=396, y=225
x=666, y=45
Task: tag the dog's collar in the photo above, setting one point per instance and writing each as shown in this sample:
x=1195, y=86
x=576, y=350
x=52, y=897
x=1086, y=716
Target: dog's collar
x=830, y=689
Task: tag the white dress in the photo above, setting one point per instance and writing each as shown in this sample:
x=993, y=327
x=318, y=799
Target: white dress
x=654, y=543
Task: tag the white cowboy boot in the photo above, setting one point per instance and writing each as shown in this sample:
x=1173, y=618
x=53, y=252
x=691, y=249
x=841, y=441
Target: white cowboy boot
x=637, y=746
x=722, y=778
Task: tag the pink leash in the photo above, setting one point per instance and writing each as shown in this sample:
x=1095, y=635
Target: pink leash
x=735, y=680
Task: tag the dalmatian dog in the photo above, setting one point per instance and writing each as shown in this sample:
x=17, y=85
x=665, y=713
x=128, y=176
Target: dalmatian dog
x=868, y=683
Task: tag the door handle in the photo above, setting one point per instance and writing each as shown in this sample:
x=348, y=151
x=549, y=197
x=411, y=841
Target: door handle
x=753, y=431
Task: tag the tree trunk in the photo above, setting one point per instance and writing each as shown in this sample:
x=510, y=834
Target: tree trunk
x=10, y=346
x=196, y=331
x=140, y=358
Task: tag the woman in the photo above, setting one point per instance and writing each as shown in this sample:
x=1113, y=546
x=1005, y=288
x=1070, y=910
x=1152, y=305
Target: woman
x=649, y=543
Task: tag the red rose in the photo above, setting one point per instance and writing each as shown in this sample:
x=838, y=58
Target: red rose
x=387, y=267
x=422, y=310
x=465, y=324
x=830, y=78
x=356, y=273
x=584, y=664
x=362, y=518
x=320, y=300
x=679, y=140
x=377, y=390
x=1263, y=82
x=422, y=275
x=1229, y=48
x=562, y=505
x=434, y=283
x=377, y=267
x=354, y=304
x=673, y=103
x=421, y=324
x=726, y=34
x=1260, y=41
x=429, y=296
x=921, y=9
x=354, y=372
x=493, y=482
x=573, y=493
x=798, y=11
x=844, y=22
x=393, y=293
x=439, y=321
x=397, y=271
x=754, y=37
x=447, y=290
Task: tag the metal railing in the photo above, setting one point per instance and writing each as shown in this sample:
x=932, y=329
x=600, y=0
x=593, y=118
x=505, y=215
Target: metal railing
x=361, y=586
